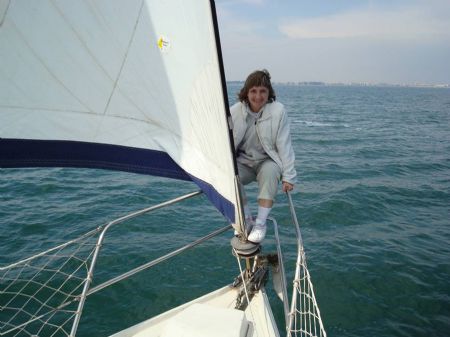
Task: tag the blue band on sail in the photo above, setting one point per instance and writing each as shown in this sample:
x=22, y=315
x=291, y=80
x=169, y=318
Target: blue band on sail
x=52, y=153
x=57, y=153
x=223, y=205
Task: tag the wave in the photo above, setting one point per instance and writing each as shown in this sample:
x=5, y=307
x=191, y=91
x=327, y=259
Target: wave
x=320, y=124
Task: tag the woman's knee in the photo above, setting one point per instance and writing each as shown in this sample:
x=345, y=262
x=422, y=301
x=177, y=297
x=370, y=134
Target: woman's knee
x=269, y=171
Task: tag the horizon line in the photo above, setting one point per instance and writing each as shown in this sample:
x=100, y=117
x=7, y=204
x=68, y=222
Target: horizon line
x=367, y=84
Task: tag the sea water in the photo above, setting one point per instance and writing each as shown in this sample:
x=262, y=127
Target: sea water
x=373, y=199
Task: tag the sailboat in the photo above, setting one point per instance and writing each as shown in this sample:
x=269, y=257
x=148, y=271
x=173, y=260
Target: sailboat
x=136, y=86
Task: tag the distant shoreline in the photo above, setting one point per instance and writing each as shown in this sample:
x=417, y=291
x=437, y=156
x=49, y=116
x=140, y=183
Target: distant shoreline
x=316, y=84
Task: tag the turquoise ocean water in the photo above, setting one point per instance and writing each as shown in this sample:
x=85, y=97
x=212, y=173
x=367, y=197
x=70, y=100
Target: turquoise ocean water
x=373, y=199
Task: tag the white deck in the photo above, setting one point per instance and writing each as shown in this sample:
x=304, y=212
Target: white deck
x=210, y=315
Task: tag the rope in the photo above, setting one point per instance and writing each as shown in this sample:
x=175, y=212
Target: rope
x=245, y=287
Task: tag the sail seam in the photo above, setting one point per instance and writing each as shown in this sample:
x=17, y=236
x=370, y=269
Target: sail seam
x=125, y=58
x=81, y=40
x=44, y=64
x=3, y=15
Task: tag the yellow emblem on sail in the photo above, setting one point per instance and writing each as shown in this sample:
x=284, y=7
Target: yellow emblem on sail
x=163, y=43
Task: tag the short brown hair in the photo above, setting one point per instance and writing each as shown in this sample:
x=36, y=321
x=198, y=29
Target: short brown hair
x=258, y=78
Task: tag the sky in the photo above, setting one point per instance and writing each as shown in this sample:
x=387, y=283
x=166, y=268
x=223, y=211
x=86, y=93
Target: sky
x=337, y=41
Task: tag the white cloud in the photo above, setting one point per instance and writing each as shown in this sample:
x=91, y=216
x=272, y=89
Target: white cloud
x=412, y=23
x=234, y=26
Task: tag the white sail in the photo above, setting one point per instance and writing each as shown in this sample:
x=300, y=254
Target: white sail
x=133, y=85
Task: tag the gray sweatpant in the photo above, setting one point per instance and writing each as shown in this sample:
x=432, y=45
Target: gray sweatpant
x=267, y=173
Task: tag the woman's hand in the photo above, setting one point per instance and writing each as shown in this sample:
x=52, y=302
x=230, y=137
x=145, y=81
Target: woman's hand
x=287, y=186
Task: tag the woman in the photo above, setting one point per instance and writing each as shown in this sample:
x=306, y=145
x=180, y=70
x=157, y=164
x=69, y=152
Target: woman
x=263, y=145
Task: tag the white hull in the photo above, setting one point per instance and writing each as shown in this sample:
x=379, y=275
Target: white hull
x=211, y=315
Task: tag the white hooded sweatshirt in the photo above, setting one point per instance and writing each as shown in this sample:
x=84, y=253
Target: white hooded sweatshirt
x=273, y=133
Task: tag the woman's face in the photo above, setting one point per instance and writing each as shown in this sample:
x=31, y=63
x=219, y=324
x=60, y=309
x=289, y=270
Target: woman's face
x=257, y=97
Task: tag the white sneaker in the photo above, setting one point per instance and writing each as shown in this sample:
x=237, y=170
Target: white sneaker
x=258, y=233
